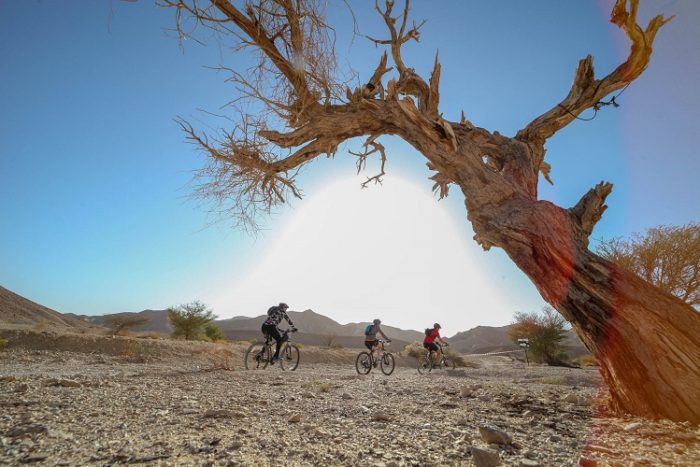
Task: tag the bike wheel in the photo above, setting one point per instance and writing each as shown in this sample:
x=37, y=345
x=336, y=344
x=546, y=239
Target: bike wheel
x=448, y=363
x=363, y=363
x=256, y=357
x=387, y=364
x=290, y=357
x=424, y=365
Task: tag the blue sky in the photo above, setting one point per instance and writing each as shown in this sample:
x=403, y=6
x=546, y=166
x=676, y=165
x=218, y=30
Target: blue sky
x=94, y=171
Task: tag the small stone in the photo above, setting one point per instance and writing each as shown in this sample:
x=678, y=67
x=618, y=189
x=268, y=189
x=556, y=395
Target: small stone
x=587, y=462
x=449, y=405
x=296, y=418
x=22, y=387
x=26, y=429
x=633, y=426
x=218, y=413
x=571, y=398
x=380, y=417
x=491, y=434
x=65, y=383
x=485, y=457
x=529, y=463
x=346, y=396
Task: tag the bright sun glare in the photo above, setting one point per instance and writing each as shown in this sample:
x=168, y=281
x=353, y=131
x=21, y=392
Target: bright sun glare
x=389, y=251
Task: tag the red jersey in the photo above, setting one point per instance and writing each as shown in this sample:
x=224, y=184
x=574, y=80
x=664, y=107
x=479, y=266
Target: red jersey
x=431, y=338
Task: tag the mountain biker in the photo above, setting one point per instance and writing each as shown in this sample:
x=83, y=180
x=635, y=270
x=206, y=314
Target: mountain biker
x=275, y=315
x=371, y=341
x=434, y=342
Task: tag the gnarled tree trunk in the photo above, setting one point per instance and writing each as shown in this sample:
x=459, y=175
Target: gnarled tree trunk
x=647, y=342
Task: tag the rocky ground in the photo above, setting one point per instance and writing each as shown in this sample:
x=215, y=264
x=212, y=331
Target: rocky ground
x=69, y=408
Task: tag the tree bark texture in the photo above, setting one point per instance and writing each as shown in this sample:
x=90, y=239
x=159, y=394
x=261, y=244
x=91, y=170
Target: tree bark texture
x=646, y=340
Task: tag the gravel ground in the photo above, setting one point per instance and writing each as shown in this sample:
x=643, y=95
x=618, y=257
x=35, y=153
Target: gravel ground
x=65, y=408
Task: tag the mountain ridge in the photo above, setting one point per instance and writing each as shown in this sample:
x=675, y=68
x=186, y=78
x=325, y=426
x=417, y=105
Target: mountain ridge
x=315, y=328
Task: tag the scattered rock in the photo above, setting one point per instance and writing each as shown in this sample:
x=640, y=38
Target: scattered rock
x=346, y=396
x=485, y=457
x=491, y=434
x=296, y=418
x=65, y=383
x=380, y=417
x=218, y=413
x=633, y=426
x=587, y=462
x=26, y=429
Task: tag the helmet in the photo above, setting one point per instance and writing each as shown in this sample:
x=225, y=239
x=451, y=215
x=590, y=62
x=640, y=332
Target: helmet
x=377, y=321
x=283, y=305
x=437, y=326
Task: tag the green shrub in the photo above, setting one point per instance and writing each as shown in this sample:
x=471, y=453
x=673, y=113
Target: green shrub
x=213, y=332
x=3, y=343
x=190, y=319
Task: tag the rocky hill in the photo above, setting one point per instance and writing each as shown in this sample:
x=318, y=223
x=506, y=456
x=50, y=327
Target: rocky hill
x=16, y=310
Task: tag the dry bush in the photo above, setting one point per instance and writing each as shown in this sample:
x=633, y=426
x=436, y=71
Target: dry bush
x=414, y=349
x=41, y=326
x=587, y=360
x=149, y=335
x=220, y=356
x=3, y=343
x=321, y=386
x=555, y=380
x=133, y=352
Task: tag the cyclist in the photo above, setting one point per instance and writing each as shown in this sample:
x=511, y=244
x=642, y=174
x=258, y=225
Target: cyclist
x=275, y=315
x=371, y=341
x=434, y=342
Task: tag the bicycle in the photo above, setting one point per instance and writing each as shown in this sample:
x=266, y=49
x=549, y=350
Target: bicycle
x=259, y=355
x=426, y=365
x=365, y=361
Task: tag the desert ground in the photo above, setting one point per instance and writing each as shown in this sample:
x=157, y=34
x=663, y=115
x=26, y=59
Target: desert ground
x=97, y=401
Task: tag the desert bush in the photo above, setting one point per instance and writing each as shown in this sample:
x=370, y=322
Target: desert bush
x=41, y=325
x=121, y=324
x=320, y=386
x=220, y=356
x=133, y=352
x=414, y=349
x=149, y=335
x=190, y=319
x=3, y=343
x=456, y=357
x=213, y=332
x=545, y=332
x=587, y=360
x=555, y=380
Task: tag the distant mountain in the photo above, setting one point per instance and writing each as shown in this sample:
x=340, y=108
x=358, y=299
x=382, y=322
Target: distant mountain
x=314, y=328
x=484, y=339
x=157, y=320
x=17, y=310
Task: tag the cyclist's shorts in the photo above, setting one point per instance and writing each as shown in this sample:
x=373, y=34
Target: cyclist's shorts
x=430, y=346
x=371, y=344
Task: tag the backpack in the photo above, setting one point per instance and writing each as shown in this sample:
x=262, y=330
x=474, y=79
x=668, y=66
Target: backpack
x=368, y=329
x=428, y=331
x=270, y=310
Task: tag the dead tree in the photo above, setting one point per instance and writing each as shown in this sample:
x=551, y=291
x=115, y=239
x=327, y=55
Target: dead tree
x=647, y=341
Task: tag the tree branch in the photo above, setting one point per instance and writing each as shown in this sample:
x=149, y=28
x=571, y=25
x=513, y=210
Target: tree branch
x=590, y=208
x=586, y=91
x=362, y=159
